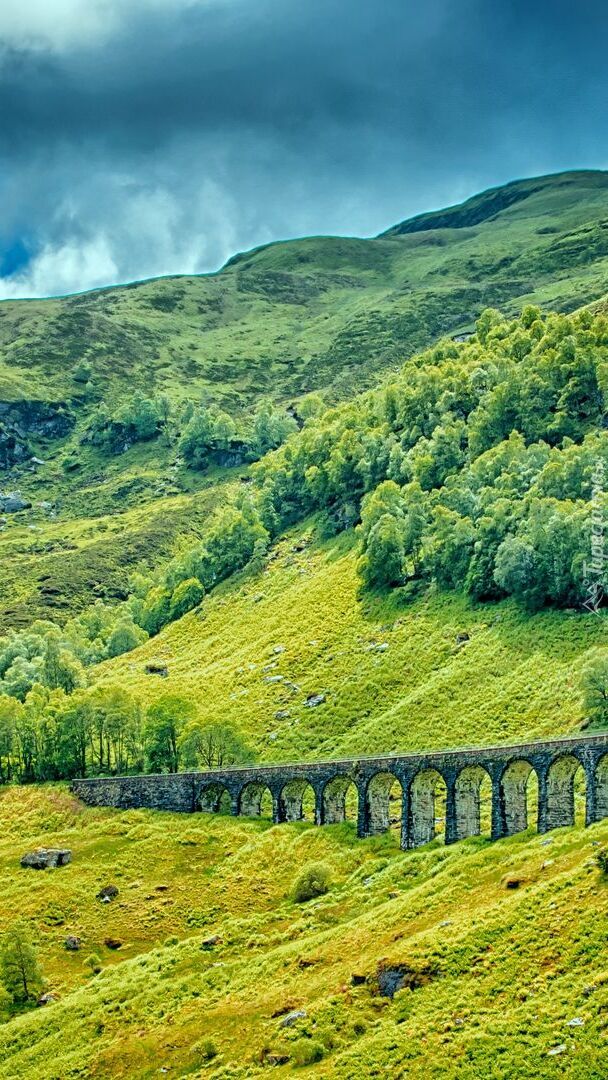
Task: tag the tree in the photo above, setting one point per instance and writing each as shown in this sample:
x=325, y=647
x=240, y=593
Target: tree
x=215, y=746
x=60, y=669
x=187, y=595
x=594, y=684
x=124, y=637
x=164, y=723
x=20, y=972
x=382, y=565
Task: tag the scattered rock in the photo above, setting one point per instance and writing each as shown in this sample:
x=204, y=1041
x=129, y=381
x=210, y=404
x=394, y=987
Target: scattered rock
x=273, y=678
x=72, y=943
x=37, y=461
x=292, y=1018
x=161, y=888
x=313, y=700
x=113, y=943
x=462, y=638
x=12, y=502
x=46, y=858
x=357, y=979
x=44, y=505
x=107, y=894
x=556, y=1050
x=278, y=649
x=589, y=990
x=295, y=689
x=547, y=863
x=546, y=842
x=577, y=1021
x=258, y=596
x=157, y=668
x=276, y=1059
x=47, y=999
x=211, y=942
x=282, y=714
x=393, y=977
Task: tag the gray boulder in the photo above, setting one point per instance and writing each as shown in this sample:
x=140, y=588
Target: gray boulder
x=46, y=858
x=292, y=1018
x=313, y=700
x=12, y=502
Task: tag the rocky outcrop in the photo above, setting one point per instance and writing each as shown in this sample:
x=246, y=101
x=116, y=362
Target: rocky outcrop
x=21, y=421
x=11, y=502
x=46, y=858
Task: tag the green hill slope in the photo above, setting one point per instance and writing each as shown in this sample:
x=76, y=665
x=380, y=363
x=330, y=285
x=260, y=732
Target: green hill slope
x=393, y=674
x=495, y=975
x=321, y=313
x=204, y=952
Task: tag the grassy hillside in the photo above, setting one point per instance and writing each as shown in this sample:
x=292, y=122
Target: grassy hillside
x=393, y=674
x=496, y=974
x=193, y=968
x=322, y=313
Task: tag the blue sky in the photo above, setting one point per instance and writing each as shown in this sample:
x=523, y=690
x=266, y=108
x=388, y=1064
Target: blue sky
x=160, y=136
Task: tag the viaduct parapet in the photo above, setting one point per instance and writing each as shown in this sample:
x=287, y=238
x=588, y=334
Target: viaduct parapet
x=477, y=784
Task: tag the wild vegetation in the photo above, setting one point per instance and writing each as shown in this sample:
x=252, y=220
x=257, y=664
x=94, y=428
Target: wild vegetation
x=278, y=514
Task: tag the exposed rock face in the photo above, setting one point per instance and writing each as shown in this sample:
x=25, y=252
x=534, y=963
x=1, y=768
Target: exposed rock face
x=21, y=420
x=46, y=858
x=12, y=502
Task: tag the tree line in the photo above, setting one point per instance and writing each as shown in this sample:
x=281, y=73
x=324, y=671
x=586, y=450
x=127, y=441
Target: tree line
x=54, y=735
x=471, y=469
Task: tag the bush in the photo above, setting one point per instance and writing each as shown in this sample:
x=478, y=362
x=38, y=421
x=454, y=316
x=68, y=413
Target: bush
x=207, y=1050
x=313, y=881
x=602, y=861
x=307, y=1052
x=93, y=963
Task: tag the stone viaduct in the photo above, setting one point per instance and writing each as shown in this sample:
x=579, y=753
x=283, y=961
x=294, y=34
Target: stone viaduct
x=377, y=785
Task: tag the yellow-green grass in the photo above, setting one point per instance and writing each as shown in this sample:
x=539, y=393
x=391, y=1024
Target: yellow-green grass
x=394, y=676
x=55, y=565
x=503, y=970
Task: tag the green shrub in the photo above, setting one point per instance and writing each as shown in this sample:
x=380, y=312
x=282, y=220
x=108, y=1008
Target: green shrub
x=206, y=1050
x=313, y=881
x=93, y=963
x=307, y=1052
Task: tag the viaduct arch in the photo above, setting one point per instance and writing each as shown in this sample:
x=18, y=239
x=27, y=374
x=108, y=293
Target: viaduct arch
x=413, y=784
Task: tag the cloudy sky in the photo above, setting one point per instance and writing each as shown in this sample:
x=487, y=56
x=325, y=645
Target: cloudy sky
x=144, y=137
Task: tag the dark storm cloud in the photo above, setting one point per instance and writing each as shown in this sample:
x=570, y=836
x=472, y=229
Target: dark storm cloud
x=175, y=132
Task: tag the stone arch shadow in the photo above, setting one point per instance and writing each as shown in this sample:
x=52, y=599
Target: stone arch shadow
x=427, y=806
x=255, y=800
x=565, y=791
x=472, y=802
x=600, y=779
x=383, y=803
x=214, y=798
x=518, y=792
x=297, y=801
x=339, y=801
